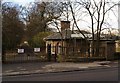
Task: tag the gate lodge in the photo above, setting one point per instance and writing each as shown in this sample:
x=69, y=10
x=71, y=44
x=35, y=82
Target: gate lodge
x=68, y=46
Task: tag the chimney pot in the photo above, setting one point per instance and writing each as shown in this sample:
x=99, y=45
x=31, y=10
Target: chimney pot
x=65, y=25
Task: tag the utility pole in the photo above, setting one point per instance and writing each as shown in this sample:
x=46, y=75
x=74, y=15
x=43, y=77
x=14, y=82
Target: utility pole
x=119, y=18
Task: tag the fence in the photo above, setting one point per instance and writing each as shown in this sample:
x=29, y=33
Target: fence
x=77, y=51
x=68, y=52
x=83, y=52
x=20, y=55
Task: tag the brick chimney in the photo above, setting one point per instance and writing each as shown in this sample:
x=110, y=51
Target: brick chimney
x=65, y=25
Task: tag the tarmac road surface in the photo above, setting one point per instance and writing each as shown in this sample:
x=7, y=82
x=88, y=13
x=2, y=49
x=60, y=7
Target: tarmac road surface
x=109, y=74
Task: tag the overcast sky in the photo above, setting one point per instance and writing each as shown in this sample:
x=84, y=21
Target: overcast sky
x=113, y=20
x=21, y=2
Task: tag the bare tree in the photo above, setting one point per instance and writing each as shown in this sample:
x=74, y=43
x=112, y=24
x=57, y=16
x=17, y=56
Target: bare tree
x=97, y=11
x=40, y=16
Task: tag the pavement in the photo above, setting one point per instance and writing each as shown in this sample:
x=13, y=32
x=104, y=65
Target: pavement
x=53, y=67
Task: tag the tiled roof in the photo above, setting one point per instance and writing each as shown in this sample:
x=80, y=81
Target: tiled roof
x=66, y=35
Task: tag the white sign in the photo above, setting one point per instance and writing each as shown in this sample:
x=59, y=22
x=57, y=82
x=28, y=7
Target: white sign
x=36, y=49
x=20, y=50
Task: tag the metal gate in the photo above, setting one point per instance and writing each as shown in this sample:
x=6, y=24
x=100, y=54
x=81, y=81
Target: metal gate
x=25, y=55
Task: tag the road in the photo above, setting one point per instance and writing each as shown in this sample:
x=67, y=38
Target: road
x=110, y=74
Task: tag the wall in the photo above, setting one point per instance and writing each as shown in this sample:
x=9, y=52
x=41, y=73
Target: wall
x=110, y=50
